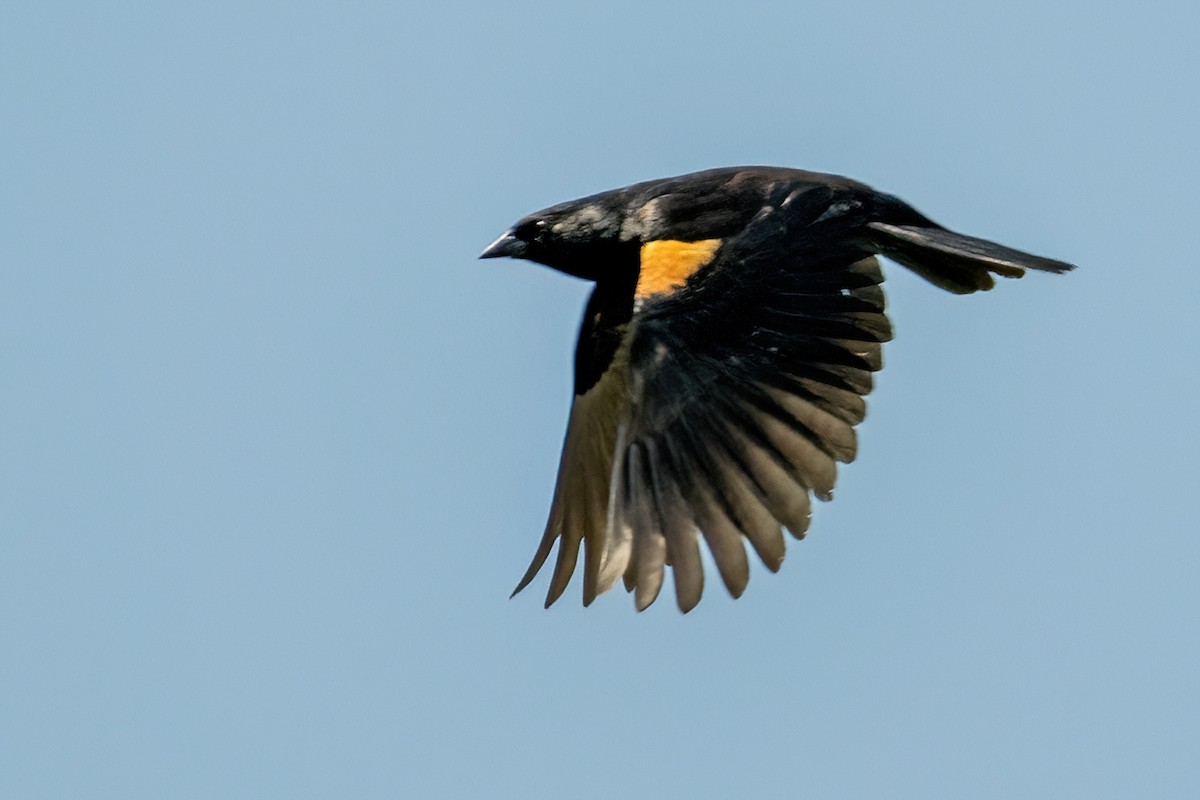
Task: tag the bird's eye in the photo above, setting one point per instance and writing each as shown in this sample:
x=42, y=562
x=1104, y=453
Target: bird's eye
x=532, y=230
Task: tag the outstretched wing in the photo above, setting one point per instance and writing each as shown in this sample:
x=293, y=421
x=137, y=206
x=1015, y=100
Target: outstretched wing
x=731, y=395
x=745, y=387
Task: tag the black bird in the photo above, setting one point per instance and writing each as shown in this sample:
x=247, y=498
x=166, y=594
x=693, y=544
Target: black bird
x=736, y=320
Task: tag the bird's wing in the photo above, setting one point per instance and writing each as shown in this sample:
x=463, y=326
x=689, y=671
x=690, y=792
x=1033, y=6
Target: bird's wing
x=730, y=396
x=579, y=511
x=745, y=390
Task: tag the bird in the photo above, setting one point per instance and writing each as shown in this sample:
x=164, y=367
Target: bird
x=734, y=325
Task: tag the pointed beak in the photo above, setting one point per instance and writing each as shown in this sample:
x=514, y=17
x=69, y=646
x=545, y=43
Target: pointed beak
x=506, y=245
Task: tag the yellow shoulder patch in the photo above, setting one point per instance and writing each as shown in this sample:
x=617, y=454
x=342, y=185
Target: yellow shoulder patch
x=667, y=264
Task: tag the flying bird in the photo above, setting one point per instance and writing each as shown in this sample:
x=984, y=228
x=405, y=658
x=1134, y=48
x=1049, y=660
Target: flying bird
x=725, y=351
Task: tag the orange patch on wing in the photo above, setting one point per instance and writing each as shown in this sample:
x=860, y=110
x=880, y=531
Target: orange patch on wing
x=667, y=264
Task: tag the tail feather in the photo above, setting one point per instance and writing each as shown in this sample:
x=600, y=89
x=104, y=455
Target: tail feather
x=955, y=262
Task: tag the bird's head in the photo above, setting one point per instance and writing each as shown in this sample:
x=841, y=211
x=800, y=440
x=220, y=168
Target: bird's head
x=582, y=238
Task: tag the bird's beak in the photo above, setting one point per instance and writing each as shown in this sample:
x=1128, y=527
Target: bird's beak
x=506, y=245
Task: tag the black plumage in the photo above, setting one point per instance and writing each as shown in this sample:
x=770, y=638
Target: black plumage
x=732, y=334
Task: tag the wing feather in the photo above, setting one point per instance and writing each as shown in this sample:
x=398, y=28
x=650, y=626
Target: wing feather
x=729, y=405
x=649, y=542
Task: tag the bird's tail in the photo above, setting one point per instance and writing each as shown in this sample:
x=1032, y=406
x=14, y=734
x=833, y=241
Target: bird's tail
x=957, y=263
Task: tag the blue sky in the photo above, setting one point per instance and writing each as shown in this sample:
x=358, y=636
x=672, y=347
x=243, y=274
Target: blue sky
x=274, y=446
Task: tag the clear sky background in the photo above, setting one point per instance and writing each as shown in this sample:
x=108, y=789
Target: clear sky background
x=275, y=446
